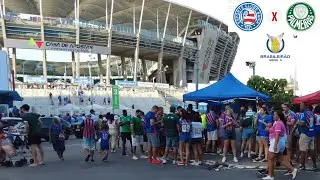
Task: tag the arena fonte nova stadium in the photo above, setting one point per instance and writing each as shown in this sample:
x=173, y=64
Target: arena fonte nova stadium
x=145, y=38
x=134, y=40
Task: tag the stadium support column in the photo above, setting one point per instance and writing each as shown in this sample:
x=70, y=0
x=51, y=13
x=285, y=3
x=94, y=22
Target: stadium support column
x=181, y=67
x=77, y=9
x=108, y=69
x=123, y=68
x=144, y=70
x=136, y=52
x=73, y=65
x=100, y=68
x=160, y=56
x=14, y=58
x=44, y=53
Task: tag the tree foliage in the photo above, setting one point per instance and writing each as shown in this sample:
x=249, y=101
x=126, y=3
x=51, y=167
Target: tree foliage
x=275, y=88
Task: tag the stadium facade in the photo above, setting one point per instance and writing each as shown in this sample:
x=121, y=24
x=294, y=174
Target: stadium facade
x=148, y=39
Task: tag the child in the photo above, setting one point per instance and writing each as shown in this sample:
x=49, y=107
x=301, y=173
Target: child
x=104, y=144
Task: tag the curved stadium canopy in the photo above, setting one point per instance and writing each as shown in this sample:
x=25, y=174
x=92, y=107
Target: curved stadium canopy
x=95, y=10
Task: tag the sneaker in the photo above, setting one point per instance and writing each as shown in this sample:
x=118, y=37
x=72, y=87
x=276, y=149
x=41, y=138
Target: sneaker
x=219, y=151
x=268, y=178
x=174, y=162
x=200, y=162
x=294, y=173
x=258, y=159
x=241, y=155
x=143, y=156
x=181, y=163
x=41, y=163
x=124, y=153
x=87, y=158
x=224, y=159
x=134, y=157
x=164, y=161
x=33, y=165
x=302, y=168
x=195, y=163
x=262, y=172
x=249, y=155
x=156, y=161
x=263, y=160
x=288, y=173
x=235, y=159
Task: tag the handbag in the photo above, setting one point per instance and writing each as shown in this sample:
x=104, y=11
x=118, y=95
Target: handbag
x=61, y=136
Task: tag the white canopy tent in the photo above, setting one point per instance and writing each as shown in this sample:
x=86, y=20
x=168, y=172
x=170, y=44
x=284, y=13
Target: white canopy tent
x=69, y=108
x=96, y=107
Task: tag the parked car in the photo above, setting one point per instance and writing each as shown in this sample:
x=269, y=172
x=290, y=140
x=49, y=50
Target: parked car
x=11, y=121
x=47, y=122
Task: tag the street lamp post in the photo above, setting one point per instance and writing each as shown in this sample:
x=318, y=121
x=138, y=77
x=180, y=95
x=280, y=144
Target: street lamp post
x=252, y=65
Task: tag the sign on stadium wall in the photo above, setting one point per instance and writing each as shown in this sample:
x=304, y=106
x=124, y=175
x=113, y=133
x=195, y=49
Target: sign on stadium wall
x=206, y=54
x=55, y=46
x=153, y=85
x=35, y=79
x=125, y=83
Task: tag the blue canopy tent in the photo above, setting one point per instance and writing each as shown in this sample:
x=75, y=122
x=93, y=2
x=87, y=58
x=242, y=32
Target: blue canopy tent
x=7, y=97
x=227, y=88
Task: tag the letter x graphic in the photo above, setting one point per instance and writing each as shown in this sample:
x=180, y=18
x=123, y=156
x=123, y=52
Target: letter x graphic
x=274, y=16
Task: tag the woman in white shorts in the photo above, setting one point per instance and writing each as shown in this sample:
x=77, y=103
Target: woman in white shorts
x=277, y=140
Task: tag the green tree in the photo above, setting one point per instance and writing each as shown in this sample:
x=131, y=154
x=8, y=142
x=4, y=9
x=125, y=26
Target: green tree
x=275, y=88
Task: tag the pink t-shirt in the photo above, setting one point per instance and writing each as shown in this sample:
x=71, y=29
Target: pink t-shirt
x=279, y=127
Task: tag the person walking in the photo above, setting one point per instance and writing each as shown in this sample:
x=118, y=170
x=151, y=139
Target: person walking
x=57, y=137
x=33, y=128
x=89, y=140
x=113, y=125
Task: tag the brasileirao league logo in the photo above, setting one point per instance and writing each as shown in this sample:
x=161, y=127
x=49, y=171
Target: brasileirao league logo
x=300, y=16
x=275, y=45
x=248, y=16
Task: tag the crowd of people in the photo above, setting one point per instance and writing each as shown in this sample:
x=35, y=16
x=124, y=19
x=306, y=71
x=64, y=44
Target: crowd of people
x=272, y=135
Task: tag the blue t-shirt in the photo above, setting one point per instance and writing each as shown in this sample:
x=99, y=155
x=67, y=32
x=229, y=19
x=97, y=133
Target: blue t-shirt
x=261, y=127
x=104, y=135
x=150, y=129
x=185, y=126
x=317, y=124
x=308, y=118
x=211, y=119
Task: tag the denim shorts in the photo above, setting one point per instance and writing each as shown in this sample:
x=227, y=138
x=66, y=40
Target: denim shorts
x=172, y=142
x=247, y=133
x=153, y=140
x=229, y=135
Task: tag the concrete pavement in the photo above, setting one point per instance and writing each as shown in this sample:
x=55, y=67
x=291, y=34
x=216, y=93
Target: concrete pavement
x=123, y=168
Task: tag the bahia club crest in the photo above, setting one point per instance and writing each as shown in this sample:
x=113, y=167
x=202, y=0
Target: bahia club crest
x=300, y=16
x=275, y=45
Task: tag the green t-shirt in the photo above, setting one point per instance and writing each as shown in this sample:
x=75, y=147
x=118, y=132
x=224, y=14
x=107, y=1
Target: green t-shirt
x=137, y=125
x=126, y=123
x=170, y=122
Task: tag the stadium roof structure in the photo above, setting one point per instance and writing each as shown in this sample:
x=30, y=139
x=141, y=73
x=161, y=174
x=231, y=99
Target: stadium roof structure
x=95, y=10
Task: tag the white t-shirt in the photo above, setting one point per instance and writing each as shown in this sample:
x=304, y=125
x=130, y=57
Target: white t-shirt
x=197, y=128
